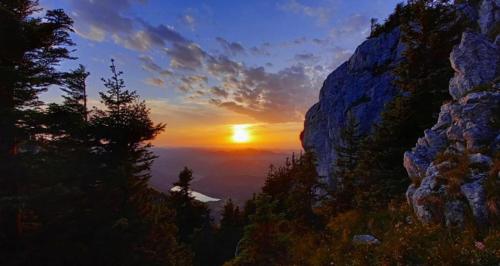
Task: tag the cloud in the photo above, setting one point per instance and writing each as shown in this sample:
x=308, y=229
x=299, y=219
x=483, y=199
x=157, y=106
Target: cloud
x=320, y=41
x=273, y=97
x=219, y=92
x=231, y=48
x=188, y=57
x=262, y=49
x=189, y=21
x=193, y=83
x=99, y=20
x=269, y=97
x=149, y=65
x=222, y=65
x=92, y=33
x=306, y=57
x=104, y=15
x=300, y=40
x=155, y=82
x=321, y=14
x=355, y=25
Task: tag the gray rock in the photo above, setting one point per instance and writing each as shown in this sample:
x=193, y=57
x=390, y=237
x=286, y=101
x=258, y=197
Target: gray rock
x=470, y=126
x=454, y=213
x=476, y=196
x=480, y=160
x=409, y=194
x=424, y=198
x=464, y=126
x=360, y=86
x=476, y=61
x=489, y=14
x=365, y=240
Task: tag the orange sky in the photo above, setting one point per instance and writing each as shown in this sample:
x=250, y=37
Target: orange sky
x=207, y=126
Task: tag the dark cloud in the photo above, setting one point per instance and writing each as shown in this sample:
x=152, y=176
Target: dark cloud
x=193, y=82
x=149, y=65
x=98, y=20
x=222, y=65
x=188, y=57
x=231, y=48
x=262, y=49
x=104, y=15
x=219, y=92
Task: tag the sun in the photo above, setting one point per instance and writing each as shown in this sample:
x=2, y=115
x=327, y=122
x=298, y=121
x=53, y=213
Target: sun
x=241, y=134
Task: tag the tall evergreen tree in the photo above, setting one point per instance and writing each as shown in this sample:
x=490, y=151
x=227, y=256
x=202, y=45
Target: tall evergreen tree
x=348, y=153
x=75, y=88
x=31, y=48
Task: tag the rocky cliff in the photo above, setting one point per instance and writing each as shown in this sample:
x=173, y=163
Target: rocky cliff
x=454, y=163
x=361, y=86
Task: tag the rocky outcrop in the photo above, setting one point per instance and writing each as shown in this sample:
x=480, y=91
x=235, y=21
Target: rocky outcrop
x=361, y=86
x=489, y=15
x=451, y=163
x=464, y=128
x=476, y=61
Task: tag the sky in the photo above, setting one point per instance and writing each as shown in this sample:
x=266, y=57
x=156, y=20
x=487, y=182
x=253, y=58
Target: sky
x=205, y=66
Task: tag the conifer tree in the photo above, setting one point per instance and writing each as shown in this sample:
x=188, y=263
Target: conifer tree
x=75, y=88
x=30, y=49
x=347, y=151
x=190, y=213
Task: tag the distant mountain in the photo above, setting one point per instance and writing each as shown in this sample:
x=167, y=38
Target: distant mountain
x=221, y=174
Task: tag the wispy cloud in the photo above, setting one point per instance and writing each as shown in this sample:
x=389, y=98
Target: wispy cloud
x=203, y=76
x=322, y=14
x=231, y=48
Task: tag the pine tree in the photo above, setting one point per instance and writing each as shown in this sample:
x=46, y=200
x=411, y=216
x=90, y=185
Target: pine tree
x=348, y=154
x=129, y=214
x=184, y=182
x=76, y=91
x=230, y=232
x=28, y=60
x=123, y=131
x=190, y=213
x=30, y=49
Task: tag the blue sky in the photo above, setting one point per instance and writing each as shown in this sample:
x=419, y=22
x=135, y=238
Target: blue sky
x=203, y=65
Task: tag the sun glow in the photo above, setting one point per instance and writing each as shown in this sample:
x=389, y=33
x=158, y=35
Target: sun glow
x=241, y=134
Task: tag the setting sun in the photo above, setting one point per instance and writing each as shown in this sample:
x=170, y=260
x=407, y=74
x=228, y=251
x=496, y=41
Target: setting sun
x=241, y=134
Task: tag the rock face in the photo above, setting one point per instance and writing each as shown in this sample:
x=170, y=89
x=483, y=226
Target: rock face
x=476, y=61
x=467, y=128
x=489, y=15
x=361, y=86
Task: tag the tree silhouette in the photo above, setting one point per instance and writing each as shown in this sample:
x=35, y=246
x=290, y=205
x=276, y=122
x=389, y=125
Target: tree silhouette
x=29, y=51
